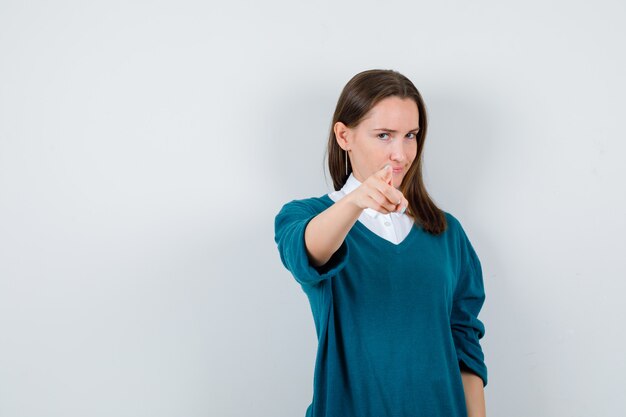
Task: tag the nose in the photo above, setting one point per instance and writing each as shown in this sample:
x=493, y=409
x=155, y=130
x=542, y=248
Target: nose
x=397, y=152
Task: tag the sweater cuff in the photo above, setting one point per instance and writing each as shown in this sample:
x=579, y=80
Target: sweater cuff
x=475, y=366
x=294, y=254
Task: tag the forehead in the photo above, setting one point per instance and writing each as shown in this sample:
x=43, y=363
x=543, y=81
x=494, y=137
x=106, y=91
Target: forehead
x=394, y=112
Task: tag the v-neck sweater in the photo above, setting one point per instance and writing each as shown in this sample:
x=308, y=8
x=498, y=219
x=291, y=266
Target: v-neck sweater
x=395, y=323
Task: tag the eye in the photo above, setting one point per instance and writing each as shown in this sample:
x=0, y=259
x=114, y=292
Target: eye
x=383, y=136
x=411, y=135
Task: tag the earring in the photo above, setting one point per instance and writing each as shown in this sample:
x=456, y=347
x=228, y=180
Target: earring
x=346, y=152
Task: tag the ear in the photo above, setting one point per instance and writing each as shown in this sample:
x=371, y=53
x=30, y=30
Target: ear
x=342, y=134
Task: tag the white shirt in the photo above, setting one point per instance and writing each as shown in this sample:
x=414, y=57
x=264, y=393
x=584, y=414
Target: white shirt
x=393, y=226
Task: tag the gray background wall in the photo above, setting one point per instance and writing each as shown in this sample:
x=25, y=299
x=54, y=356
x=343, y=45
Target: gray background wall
x=145, y=148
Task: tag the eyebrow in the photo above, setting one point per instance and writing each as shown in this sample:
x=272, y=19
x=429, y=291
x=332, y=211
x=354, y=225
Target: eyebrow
x=395, y=131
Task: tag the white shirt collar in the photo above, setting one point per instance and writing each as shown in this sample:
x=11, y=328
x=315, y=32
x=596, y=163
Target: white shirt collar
x=351, y=184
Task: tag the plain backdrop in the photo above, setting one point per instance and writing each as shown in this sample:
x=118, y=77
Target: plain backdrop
x=145, y=148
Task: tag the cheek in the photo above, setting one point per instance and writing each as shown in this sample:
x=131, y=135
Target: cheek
x=374, y=150
x=412, y=150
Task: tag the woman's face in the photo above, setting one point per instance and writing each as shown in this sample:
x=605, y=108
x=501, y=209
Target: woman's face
x=386, y=135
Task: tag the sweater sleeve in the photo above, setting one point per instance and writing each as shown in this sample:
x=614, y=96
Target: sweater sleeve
x=289, y=227
x=469, y=297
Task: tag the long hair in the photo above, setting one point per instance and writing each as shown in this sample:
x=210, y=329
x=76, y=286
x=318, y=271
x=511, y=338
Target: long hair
x=358, y=97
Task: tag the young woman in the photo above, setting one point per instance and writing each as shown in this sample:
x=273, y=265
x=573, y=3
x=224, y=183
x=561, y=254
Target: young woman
x=394, y=283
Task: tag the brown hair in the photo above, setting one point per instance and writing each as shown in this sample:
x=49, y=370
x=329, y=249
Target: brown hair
x=358, y=97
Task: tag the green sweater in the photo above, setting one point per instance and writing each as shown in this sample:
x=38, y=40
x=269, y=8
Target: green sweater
x=395, y=323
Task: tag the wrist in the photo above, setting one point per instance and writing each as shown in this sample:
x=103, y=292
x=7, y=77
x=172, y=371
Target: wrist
x=350, y=200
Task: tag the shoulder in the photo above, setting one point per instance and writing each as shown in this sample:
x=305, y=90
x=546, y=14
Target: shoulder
x=455, y=230
x=454, y=225
x=311, y=205
x=295, y=214
x=460, y=237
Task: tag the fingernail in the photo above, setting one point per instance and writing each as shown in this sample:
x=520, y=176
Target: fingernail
x=403, y=210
